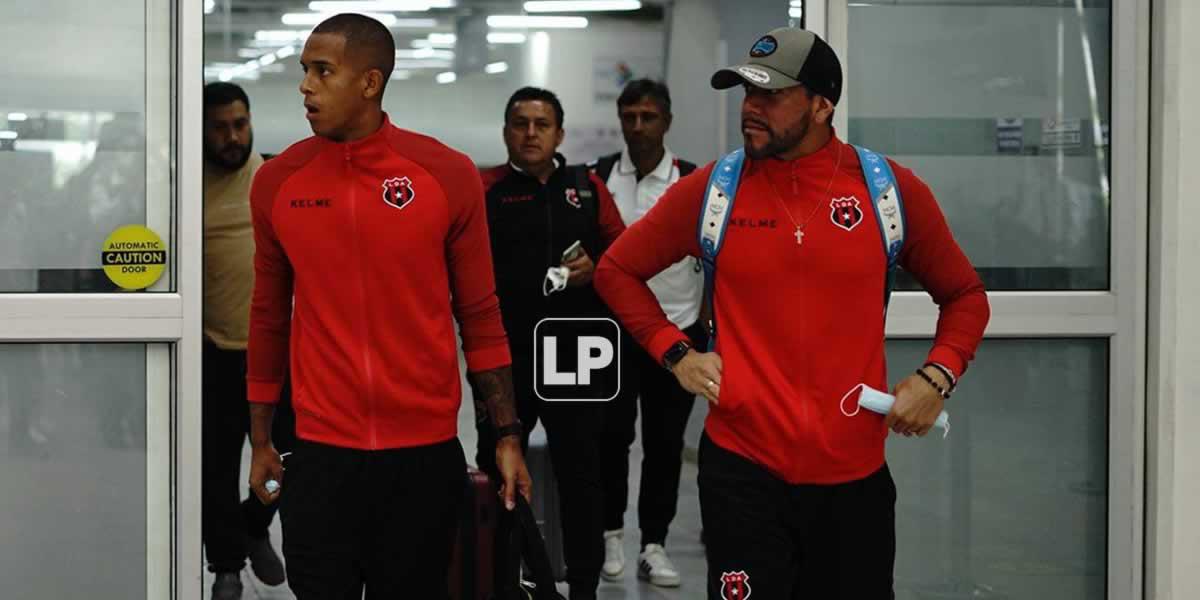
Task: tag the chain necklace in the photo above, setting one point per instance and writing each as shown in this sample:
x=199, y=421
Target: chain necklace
x=779, y=199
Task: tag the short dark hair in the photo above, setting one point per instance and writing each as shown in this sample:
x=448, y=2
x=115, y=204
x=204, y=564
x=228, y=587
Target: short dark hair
x=367, y=36
x=222, y=93
x=638, y=89
x=527, y=94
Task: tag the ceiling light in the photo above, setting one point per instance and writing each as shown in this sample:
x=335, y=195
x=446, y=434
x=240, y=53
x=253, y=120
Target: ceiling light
x=281, y=35
x=12, y=135
x=14, y=117
x=581, y=5
x=425, y=53
x=524, y=21
x=266, y=60
x=505, y=37
x=446, y=77
x=315, y=18
x=369, y=6
x=427, y=63
x=401, y=74
x=496, y=67
x=285, y=52
x=334, y=6
x=209, y=6
x=796, y=12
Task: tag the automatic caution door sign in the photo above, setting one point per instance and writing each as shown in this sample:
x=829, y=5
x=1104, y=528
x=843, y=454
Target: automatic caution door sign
x=134, y=257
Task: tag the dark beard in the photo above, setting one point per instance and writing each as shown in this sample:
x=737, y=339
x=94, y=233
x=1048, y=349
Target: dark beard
x=218, y=159
x=780, y=143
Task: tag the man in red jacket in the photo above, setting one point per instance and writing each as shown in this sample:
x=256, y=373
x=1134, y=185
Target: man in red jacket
x=369, y=241
x=796, y=498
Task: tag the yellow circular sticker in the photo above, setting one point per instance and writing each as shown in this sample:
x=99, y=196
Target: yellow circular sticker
x=134, y=257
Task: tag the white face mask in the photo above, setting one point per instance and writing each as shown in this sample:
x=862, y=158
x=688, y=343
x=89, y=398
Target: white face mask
x=880, y=402
x=556, y=280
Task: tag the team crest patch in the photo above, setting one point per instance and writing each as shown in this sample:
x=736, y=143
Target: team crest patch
x=398, y=191
x=735, y=586
x=765, y=46
x=845, y=213
x=573, y=198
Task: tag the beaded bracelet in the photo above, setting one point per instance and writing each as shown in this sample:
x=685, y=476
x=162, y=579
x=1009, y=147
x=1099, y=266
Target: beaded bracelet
x=945, y=394
x=945, y=373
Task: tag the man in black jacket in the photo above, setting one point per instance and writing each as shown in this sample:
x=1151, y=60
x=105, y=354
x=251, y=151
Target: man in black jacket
x=538, y=207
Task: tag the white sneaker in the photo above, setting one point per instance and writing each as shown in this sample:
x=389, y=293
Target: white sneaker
x=614, y=555
x=655, y=567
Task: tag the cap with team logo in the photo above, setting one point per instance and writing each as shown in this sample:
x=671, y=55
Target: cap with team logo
x=786, y=57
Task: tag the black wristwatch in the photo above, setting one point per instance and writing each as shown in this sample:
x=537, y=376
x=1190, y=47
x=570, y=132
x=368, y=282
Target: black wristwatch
x=514, y=428
x=674, y=354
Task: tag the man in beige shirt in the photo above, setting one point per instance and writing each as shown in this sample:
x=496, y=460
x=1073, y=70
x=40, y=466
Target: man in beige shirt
x=233, y=530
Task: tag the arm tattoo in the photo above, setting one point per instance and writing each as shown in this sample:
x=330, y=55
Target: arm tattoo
x=494, y=390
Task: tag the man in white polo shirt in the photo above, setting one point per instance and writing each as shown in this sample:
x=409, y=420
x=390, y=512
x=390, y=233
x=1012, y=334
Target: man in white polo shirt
x=637, y=177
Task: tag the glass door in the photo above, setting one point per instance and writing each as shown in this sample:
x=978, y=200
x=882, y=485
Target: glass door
x=100, y=298
x=1012, y=113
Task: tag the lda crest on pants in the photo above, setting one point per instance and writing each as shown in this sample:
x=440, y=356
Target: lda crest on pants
x=398, y=191
x=735, y=586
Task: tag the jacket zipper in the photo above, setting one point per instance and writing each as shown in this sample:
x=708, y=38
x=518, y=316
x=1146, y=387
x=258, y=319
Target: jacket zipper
x=368, y=392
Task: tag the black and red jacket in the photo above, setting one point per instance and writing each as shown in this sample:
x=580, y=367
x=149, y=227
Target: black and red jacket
x=531, y=224
x=380, y=243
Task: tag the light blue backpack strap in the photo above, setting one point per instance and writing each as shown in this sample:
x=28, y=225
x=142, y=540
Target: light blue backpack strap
x=889, y=209
x=714, y=217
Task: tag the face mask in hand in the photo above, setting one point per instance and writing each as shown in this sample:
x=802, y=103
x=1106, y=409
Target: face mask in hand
x=879, y=402
x=556, y=280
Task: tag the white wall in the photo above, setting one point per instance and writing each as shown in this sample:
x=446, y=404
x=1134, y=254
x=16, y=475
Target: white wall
x=1173, y=415
x=468, y=114
x=692, y=57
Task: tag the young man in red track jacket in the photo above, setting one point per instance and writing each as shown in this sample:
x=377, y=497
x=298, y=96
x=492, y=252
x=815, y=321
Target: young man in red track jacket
x=369, y=240
x=796, y=498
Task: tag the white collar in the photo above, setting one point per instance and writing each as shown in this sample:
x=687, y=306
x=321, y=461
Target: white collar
x=662, y=171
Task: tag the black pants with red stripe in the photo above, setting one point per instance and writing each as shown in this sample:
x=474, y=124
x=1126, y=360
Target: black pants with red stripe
x=381, y=520
x=790, y=542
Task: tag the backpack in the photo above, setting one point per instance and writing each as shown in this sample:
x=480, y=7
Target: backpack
x=604, y=166
x=718, y=205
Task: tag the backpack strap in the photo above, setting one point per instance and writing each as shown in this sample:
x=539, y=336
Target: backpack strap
x=714, y=217
x=586, y=191
x=604, y=165
x=889, y=209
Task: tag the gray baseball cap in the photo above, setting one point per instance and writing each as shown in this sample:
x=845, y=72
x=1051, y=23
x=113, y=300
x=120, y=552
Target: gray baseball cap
x=786, y=57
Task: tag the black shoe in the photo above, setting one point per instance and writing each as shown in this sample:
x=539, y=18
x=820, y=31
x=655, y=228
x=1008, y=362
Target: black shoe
x=228, y=586
x=265, y=562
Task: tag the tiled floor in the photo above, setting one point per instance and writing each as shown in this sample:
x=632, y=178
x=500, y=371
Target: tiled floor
x=683, y=543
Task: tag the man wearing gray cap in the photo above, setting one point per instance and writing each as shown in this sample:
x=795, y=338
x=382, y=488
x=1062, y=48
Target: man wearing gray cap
x=796, y=498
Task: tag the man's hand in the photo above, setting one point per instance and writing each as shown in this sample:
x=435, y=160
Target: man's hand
x=512, y=468
x=265, y=464
x=700, y=373
x=917, y=404
x=581, y=268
